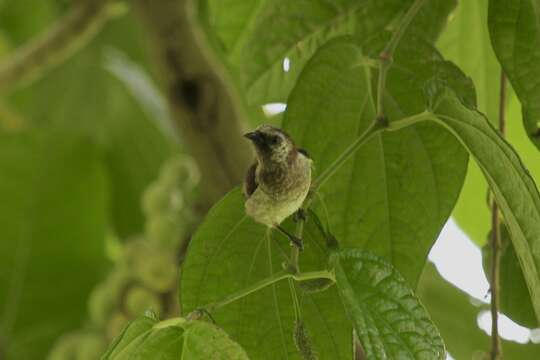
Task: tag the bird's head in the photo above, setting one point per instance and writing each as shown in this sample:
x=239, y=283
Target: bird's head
x=271, y=144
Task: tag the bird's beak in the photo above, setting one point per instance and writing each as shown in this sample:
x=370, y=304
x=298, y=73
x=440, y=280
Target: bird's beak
x=255, y=136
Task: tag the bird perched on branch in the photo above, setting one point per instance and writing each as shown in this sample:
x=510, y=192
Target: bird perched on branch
x=278, y=182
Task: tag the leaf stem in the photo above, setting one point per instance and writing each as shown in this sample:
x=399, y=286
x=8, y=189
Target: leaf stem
x=376, y=127
x=176, y=321
x=386, y=56
x=496, y=350
x=280, y=275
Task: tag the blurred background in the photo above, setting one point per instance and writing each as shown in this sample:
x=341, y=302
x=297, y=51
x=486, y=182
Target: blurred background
x=116, y=137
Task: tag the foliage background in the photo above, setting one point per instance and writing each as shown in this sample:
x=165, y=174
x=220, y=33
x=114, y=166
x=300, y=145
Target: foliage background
x=79, y=146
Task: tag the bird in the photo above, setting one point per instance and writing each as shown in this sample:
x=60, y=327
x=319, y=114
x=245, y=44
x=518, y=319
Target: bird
x=279, y=180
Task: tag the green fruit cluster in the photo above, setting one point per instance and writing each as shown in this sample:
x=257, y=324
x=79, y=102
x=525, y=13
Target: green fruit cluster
x=145, y=270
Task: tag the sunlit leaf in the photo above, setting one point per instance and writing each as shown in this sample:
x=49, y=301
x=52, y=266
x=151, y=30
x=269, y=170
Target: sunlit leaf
x=145, y=338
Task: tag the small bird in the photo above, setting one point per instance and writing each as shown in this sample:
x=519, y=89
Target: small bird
x=278, y=182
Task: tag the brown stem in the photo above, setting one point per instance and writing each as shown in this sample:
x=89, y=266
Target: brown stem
x=496, y=351
x=57, y=43
x=204, y=105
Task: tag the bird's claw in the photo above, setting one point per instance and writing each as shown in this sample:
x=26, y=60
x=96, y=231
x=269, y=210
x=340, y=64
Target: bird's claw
x=198, y=314
x=297, y=242
x=300, y=215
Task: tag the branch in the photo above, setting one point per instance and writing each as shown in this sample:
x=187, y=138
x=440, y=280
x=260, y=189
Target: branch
x=203, y=103
x=56, y=44
x=496, y=350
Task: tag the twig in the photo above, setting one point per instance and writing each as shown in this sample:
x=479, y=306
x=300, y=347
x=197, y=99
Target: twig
x=496, y=350
x=56, y=44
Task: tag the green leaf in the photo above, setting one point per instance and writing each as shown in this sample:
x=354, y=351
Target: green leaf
x=256, y=36
x=514, y=298
x=388, y=318
x=513, y=187
x=466, y=42
x=515, y=36
x=146, y=338
x=53, y=220
x=92, y=102
x=456, y=318
x=230, y=252
x=396, y=193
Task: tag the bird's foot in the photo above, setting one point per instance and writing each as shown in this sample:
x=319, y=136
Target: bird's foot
x=198, y=314
x=296, y=241
x=300, y=215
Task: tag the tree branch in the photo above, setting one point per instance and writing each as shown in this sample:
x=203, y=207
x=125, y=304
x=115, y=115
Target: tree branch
x=205, y=107
x=58, y=43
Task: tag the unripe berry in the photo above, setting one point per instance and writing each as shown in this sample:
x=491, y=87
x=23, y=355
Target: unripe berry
x=139, y=299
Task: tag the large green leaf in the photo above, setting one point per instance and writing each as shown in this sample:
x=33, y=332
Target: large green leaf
x=82, y=97
x=396, y=193
x=257, y=36
x=230, y=252
x=456, y=318
x=53, y=219
x=388, y=318
x=515, y=35
x=513, y=187
x=466, y=43
x=146, y=338
x=514, y=298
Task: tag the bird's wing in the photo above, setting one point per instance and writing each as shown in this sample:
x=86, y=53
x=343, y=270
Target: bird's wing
x=250, y=182
x=304, y=152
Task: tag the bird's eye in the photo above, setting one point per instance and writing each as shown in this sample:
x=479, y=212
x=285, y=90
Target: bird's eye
x=274, y=140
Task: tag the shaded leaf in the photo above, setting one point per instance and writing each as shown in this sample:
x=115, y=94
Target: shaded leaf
x=515, y=36
x=456, y=318
x=53, y=220
x=81, y=97
x=388, y=318
x=513, y=187
x=297, y=29
x=230, y=252
x=466, y=42
x=514, y=298
x=395, y=194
